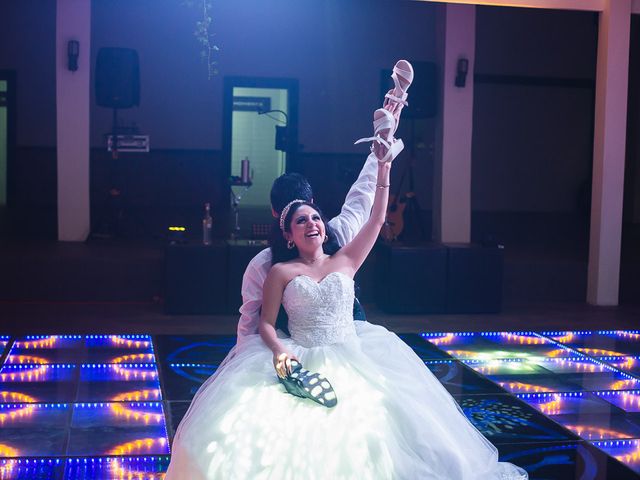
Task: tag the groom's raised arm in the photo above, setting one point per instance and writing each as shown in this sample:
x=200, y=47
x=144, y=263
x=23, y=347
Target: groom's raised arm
x=357, y=204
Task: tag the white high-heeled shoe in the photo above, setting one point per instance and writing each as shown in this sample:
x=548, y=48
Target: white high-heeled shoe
x=398, y=95
x=384, y=125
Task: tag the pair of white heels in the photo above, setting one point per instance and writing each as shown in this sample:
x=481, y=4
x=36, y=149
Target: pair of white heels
x=385, y=120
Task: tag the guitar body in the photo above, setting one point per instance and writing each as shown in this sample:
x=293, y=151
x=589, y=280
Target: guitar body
x=394, y=221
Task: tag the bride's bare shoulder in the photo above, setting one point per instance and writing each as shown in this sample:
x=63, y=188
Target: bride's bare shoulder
x=283, y=272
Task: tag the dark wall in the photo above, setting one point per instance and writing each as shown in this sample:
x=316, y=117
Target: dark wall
x=533, y=109
x=335, y=49
x=532, y=115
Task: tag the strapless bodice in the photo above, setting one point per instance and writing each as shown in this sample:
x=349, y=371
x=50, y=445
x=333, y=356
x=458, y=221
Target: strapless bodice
x=320, y=313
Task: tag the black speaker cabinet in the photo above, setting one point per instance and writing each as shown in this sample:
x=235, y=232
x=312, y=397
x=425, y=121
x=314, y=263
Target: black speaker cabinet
x=196, y=279
x=411, y=278
x=117, y=78
x=423, y=92
x=474, y=278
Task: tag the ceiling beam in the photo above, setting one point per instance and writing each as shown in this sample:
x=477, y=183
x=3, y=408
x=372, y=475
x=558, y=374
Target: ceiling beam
x=585, y=5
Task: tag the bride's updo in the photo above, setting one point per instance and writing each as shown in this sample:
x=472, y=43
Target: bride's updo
x=278, y=244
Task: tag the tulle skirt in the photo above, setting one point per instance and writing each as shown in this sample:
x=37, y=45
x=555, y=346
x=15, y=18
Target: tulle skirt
x=393, y=420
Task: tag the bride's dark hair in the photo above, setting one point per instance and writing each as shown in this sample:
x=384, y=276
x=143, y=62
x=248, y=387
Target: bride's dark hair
x=278, y=244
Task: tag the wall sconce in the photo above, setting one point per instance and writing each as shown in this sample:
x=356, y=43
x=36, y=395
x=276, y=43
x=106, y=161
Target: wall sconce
x=461, y=72
x=73, y=51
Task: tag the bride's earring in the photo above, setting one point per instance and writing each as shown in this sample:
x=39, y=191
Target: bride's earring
x=326, y=239
x=290, y=245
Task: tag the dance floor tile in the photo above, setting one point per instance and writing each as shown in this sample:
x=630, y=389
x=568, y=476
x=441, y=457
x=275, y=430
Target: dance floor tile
x=598, y=381
x=177, y=411
x=601, y=427
x=36, y=373
x=601, y=343
x=31, y=469
x=30, y=392
x=625, y=451
x=118, y=414
x=578, y=403
x=505, y=419
x=534, y=383
x=33, y=429
x=138, y=468
x=4, y=341
x=629, y=401
x=459, y=379
x=181, y=380
x=505, y=367
x=194, y=348
x=489, y=346
x=118, y=383
x=140, y=440
x=424, y=349
x=565, y=461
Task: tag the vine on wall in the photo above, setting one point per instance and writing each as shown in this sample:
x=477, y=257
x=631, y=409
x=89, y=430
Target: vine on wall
x=205, y=35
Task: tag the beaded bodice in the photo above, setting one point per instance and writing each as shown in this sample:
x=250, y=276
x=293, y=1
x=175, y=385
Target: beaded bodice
x=320, y=313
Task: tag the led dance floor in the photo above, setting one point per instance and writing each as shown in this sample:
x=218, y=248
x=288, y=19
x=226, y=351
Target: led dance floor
x=563, y=405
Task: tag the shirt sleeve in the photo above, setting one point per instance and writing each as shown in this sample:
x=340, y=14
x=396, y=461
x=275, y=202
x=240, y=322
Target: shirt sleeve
x=357, y=204
x=252, y=283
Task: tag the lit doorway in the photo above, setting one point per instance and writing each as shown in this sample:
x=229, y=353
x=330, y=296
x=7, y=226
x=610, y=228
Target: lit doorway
x=4, y=133
x=7, y=144
x=260, y=119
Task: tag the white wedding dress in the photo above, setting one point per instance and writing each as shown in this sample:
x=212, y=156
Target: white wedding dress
x=393, y=420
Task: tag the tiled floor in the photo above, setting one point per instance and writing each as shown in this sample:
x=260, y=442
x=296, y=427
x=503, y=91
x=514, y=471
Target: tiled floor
x=563, y=405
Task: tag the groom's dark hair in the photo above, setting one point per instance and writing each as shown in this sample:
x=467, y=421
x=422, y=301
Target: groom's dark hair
x=288, y=187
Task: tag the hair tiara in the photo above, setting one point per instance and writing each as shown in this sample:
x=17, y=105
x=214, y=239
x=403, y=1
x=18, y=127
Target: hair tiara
x=285, y=211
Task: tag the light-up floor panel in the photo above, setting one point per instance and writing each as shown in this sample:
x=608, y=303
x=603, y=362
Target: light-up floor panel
x=566, y=460
x=459, y=379
x=105, y=406
x=182, y=380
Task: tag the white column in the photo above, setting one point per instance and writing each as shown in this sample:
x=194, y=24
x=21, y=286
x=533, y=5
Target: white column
x=609, y=153
x=73, y=22
x=452, y=163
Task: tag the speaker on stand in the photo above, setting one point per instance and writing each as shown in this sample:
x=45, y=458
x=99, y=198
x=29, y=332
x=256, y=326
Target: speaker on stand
x=117, y=86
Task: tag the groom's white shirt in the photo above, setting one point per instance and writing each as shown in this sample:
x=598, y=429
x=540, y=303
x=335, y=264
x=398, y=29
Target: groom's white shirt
x=355, y=212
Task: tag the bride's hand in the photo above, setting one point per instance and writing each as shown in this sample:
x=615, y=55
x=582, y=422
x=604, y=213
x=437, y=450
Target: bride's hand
x=282, y=363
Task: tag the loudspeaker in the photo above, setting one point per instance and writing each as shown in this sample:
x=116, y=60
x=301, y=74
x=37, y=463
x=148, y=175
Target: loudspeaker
x=423, y=92
x=411, y=278
x=117, y=78
x=474, y=278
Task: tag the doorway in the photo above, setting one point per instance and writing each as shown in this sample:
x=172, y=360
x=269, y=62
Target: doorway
x=260, y=139
x=7, y=143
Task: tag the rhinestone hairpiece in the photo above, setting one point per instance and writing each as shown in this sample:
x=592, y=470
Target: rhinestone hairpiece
x=285, y=211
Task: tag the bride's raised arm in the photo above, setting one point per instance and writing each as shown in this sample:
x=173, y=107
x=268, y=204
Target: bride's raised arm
x=356, y=251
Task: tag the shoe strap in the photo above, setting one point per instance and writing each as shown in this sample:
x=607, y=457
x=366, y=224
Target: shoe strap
x=402, y=100
x=377, y=139
x=393, y=152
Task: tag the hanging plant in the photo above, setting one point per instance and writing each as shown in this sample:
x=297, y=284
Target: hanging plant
x=204, y=35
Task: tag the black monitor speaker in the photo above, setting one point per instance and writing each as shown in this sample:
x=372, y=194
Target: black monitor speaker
x=423, y=92
x=117, y=78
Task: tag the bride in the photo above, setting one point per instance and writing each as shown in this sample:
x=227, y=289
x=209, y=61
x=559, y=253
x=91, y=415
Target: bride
x=374, y=411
